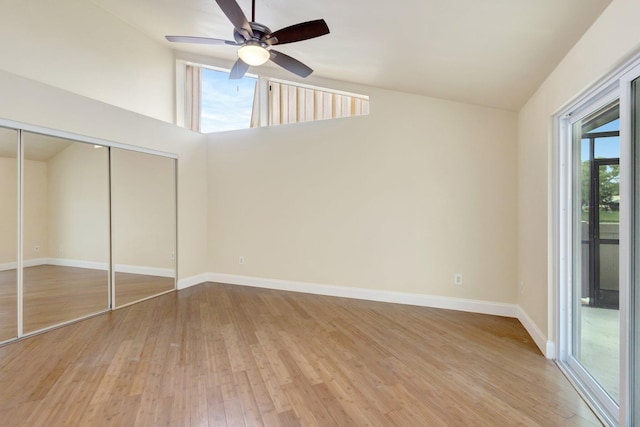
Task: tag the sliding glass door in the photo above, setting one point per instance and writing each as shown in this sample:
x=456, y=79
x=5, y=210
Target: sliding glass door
x=594, y=353
x=598, y=260
x=634, y=292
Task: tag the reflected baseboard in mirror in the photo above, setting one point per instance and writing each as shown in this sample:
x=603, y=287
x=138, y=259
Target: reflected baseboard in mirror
x=135, y=287
x=8, y=310
x=54, y=294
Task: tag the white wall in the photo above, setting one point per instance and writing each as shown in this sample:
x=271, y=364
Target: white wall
x=612, y=38
x=400, y=200
x=76, y=46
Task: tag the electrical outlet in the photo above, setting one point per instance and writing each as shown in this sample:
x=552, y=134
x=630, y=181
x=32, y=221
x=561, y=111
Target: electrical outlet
x=241, y=260
x=36, y=248
x=521, y=287
x=457, y=279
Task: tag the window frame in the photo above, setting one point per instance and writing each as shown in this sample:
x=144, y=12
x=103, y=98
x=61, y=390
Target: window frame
x=263, y=88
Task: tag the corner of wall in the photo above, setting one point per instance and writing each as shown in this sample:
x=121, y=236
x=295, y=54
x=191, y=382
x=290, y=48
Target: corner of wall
x=548, y=348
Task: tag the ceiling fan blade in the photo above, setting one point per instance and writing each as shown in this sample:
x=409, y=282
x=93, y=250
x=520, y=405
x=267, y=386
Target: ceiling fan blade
x=290, y=64
x=199, y=40
x=239, y=70
x=237, y=17
x=298, y=32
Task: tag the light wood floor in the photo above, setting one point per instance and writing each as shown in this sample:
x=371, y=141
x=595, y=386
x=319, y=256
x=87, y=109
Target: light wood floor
x=133, y=287
x=223, y=355
x=55, y=294
x=8, y=319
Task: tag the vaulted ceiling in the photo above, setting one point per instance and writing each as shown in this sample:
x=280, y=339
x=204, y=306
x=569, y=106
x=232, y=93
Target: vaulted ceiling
x=489, y=52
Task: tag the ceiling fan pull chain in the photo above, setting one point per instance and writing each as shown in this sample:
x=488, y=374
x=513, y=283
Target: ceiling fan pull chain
x=253, y=10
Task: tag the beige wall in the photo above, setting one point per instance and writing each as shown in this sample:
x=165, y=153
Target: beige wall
x=399, y=200
x=143, y=205
x=78, y=204
x=35, y=232
x=77, y=46
x=8, y=210
x=612, y=38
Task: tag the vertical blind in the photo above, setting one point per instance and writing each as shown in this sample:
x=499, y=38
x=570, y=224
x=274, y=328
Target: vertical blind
x=294, y=104
x=192, y=101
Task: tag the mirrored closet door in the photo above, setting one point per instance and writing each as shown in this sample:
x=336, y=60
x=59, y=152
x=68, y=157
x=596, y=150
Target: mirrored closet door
x=85, y=227
x=65, y=230
x=143, y=203
x=8, y=233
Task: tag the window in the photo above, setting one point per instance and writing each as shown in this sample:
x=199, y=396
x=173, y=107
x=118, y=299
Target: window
x=213, y=103
x=290, y=103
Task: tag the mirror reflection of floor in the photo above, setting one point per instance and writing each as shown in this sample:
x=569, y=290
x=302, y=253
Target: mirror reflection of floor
x=55, y=294
x=8, y=322
x=600, y=350
x=133, y=287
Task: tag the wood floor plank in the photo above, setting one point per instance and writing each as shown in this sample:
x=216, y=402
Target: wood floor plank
x=8, y=305
x=222, y=355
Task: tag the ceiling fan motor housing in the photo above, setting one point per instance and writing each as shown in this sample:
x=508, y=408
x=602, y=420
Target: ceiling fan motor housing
x=261, y=34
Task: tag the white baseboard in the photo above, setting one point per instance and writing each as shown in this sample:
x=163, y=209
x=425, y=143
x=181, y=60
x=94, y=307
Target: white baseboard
x=475, y=306
x=149, y=271
x=551, y=350
x=8, y=266
x=193, y=280
x=547, y=348
x=53, y=261
x=64, y=262
x=56, y=261
x=34, y=262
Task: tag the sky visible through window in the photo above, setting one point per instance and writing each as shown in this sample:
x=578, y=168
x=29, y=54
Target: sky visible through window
x=226, y=104
x=608, y=148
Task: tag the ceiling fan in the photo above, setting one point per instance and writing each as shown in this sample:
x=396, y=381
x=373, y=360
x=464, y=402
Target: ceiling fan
x=255, y=40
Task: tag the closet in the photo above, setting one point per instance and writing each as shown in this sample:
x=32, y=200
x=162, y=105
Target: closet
x=86, y=226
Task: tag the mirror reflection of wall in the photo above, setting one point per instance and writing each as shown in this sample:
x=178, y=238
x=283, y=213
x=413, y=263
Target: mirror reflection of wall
x=8, y=233
x=143, y=199
x=65, y=230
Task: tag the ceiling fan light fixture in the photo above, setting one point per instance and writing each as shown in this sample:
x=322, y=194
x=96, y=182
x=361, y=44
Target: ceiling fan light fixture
x=253, y=54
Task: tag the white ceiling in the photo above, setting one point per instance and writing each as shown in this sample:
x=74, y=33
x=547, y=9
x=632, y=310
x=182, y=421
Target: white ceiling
x=486, y=52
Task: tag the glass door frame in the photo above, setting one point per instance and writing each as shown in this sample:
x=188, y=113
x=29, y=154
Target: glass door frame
x=567, y=204
x=629, y=247
x=617, y=85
